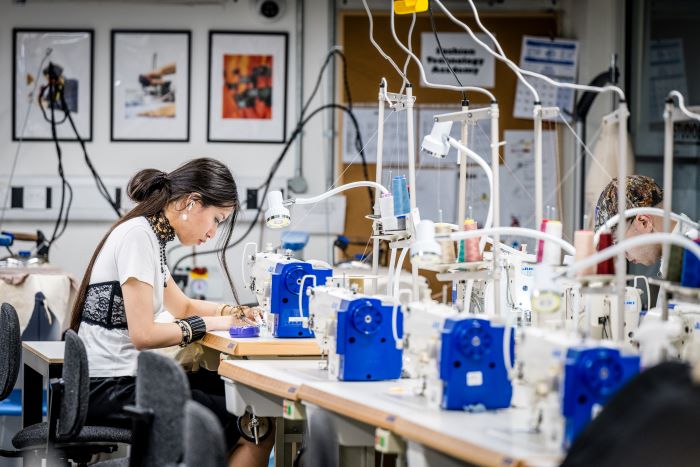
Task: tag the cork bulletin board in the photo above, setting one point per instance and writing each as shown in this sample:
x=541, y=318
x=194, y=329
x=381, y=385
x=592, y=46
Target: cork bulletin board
x=366, y=67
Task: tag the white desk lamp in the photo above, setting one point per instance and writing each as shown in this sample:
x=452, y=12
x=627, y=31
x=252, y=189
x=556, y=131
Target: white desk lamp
x=277, y=215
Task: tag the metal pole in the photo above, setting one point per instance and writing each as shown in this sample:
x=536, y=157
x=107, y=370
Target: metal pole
x=462, y=201
x=668, y=196
x=537, y=114
x=378, y=179
x=621, y=266
x=411, y=174
x=495, y=167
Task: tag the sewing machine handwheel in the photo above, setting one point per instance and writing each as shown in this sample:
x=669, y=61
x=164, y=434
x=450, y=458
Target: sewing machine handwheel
x=246, y=430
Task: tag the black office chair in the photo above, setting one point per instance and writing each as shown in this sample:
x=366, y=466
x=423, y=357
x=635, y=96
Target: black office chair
x=10, y=349
x=321, y=440
x=162, y=391
x=65, y=435
x=203, y=437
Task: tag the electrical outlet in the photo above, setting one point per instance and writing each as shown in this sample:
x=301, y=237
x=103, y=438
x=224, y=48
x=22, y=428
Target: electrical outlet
x=251, y=198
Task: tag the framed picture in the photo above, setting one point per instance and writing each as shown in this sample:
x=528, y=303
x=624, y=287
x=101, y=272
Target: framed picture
x=52, y=84
x=247, y=87
x=150, y=85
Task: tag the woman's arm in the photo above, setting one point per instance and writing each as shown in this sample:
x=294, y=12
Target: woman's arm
x=146, y=333
x=181, y=306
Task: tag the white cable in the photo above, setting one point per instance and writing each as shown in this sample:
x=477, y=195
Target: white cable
x=634, y=242
x=568, y=247
x=337, y=190
x=681, y=105
x=301, y=291
x=422, y=71
x=646, y=281
x=390, y=278
x=244, y=256
x=408, y=58
x=30, y=99
x=642, y=210
x=489, y=174
x=376, y=46
x=501, y=57
x=579, y=87
x=397, y=272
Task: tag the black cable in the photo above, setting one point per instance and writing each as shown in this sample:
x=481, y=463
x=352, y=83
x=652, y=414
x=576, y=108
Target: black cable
x=268, y=181
x=437, y=39
x=98, y=180
x=64, y=183
x=359, y=145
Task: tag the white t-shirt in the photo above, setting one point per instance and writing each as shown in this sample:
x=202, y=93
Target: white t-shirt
x=131, y=250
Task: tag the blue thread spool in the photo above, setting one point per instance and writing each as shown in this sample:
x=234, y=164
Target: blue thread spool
x=690, y=277
x=399, y=188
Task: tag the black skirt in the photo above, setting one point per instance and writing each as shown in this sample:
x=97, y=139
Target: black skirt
x=109, y=395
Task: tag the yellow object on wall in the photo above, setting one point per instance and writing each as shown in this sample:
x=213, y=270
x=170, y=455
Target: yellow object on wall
x=406, y=7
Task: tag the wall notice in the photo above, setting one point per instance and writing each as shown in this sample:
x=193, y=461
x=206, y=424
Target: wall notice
x=473, y=65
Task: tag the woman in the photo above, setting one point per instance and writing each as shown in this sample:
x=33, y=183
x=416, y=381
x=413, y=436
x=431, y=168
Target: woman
x=127, y=284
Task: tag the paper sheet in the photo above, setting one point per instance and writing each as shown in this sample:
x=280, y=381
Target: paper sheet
x=554, y=58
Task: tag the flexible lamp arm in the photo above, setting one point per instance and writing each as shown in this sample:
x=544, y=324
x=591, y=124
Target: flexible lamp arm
x=335, y=191
x=489, y=173
x=632, y=242
x=658, y=212
x=522, y=231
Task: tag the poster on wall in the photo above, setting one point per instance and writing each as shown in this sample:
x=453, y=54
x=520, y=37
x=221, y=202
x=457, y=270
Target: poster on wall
x=52, y=84
x=473, y=65
x=150, y=85
x=247, y=86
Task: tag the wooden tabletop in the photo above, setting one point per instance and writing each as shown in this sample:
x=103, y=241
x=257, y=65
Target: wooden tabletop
x=260, y=346
x=281, y=378
x=47, y=351
x=489, y=438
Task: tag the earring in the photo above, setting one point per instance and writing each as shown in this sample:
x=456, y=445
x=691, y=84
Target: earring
x=183, y=216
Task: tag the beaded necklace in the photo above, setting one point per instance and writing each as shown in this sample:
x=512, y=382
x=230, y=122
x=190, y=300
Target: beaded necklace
x=164, y=233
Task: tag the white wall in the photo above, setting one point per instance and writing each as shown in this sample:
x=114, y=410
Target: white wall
x=73, y=250
x=597, y=23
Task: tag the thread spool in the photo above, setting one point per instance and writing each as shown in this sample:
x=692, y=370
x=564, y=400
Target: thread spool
x=690, y=277
x=607, y=266
x=386, y=205
x=471, y=245
x=583, y=242
x=400, y=191
x=540, y=243
x=447, y=246
x=552, y=252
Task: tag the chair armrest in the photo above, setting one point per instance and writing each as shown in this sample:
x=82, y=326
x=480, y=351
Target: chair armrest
x=56, y=387
x=142, y=419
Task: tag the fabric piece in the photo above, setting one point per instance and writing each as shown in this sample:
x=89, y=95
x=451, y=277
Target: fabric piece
x=58, y=287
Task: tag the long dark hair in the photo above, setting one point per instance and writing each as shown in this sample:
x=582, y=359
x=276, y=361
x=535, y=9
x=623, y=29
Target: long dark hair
x=153, y=190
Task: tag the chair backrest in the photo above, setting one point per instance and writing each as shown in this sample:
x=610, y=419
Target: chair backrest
x=10, y=349
x=203, y=437
x=322, y=439
x=76, y=388
x=162, y=386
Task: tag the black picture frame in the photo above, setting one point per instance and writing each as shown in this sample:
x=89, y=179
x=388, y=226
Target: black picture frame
x=144, y=124
x=40, y=47
x=262, y=48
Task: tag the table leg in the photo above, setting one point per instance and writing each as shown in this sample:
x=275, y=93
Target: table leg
x=32, y=396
